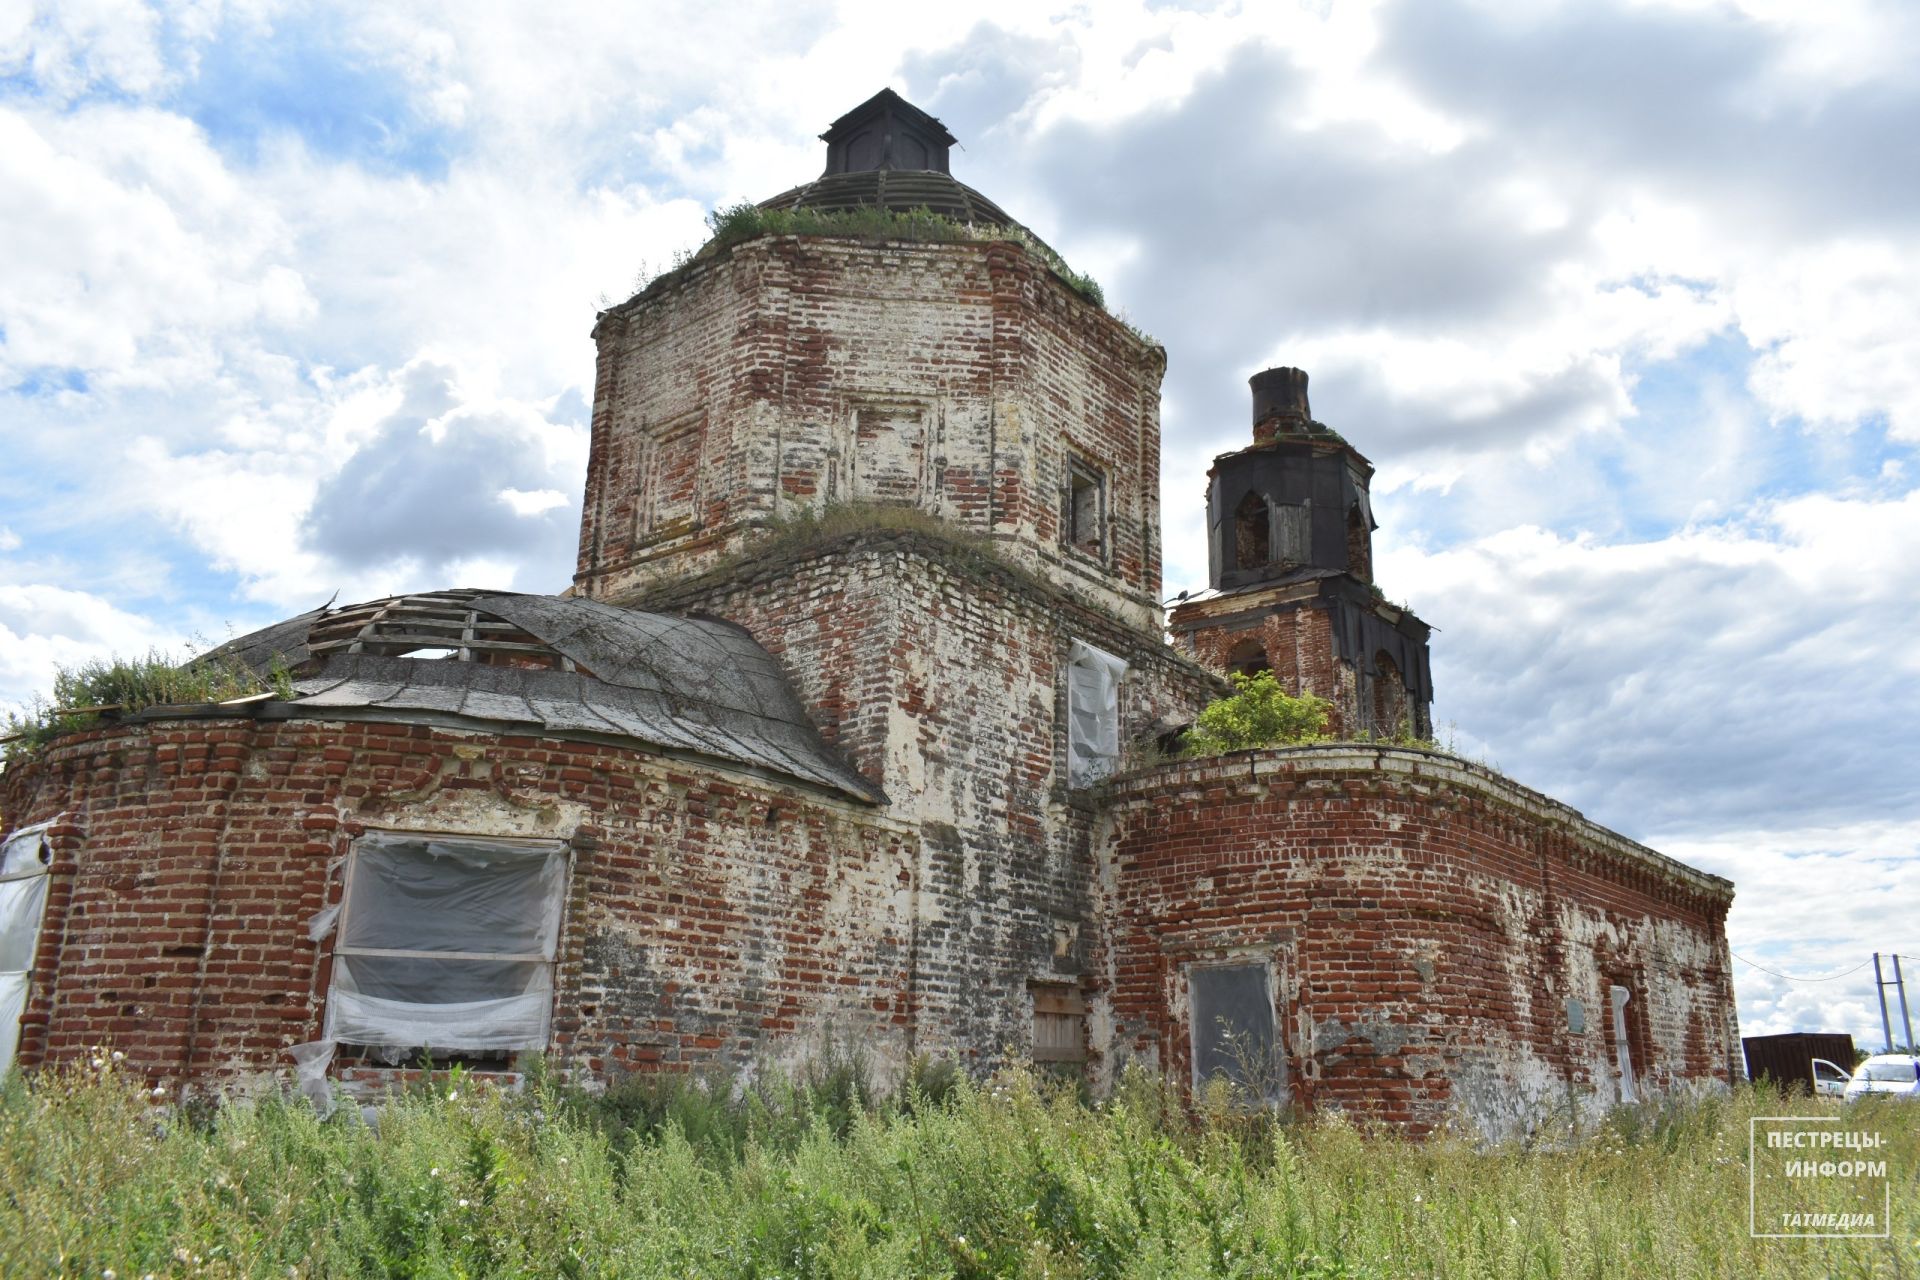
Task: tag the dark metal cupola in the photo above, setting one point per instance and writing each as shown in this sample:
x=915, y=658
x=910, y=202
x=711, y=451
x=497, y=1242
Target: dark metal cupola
x=886, y=132
x=1293, y=502
x=888, y=154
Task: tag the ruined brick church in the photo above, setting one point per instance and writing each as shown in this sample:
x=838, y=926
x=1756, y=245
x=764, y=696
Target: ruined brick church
x=851, y=733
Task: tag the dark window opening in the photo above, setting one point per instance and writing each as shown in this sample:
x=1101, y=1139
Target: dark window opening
x=1059, y=1022
x=1232, y=1028
x=1392, y=718
x=1085, y=498
x=1247, y=658
x=1359, y=545
x=1252, y=533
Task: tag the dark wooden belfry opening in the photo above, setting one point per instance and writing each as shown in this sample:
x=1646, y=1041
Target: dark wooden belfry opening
x=1359, y=545
x=1392, y=713
x=1252, y=533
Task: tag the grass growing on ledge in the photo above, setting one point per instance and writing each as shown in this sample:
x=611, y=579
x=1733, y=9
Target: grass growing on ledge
x=1012, y=1177
x=81, y=694
x=741, y=222
x=787, y=534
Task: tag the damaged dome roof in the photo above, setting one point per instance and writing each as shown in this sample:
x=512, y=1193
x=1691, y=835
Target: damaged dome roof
x=565, y=666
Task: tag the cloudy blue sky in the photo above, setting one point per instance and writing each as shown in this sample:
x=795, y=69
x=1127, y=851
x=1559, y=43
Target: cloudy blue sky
x=1623, y=301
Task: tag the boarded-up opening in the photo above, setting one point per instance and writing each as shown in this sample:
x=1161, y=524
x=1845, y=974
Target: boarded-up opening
x=1230, y=1010
x=1059, y=1022
x=1292, y=533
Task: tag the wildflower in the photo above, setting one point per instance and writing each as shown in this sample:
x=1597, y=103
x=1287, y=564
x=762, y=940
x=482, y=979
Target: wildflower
x=434, y=1172
x=119, y=1056
x=463, y=1204
x=159, y=1091
x=109, y=1274
x=454, y=1096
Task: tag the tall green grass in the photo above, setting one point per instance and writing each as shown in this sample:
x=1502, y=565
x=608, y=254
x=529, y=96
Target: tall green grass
x=1013, y=1177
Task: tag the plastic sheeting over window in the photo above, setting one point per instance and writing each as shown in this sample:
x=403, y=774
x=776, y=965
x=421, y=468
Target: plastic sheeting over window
x=23, y=898
x=447, y=943
x=1231, y=1007
x=1093, y=714
x=1623, y=1056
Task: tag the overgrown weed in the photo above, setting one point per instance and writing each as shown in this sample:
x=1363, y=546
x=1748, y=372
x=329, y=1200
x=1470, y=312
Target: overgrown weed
x=1011, y=1176
x=82, y=694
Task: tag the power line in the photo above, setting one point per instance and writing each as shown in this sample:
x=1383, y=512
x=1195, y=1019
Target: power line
x=1790, y=978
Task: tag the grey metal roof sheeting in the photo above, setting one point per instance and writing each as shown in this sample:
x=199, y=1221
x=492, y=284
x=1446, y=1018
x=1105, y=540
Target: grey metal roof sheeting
x=686, y=684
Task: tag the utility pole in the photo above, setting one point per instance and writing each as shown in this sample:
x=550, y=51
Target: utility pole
x=1906, y=1019
x=1880, y=989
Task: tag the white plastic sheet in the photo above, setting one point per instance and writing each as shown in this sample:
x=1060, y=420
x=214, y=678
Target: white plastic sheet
x=1622, y=1055
x=1093, y=713
x=447, y=943
x=23, y=898
x=13, y=1003
x=310, y=1062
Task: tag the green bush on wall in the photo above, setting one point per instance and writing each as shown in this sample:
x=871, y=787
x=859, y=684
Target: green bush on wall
x=1259, y=714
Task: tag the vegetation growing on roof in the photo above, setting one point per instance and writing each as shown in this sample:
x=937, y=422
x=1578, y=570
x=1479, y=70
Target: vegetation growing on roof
x=738, y=223
x=121, y=686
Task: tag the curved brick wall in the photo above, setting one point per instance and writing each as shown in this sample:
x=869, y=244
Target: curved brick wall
x=1426, y=922
x=709, y=915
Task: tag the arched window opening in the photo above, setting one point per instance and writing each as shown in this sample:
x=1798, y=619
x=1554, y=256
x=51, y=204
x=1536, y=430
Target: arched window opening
x=1247, y=658
x=1391, y=715
x=1252, y=533
x=1359, y=545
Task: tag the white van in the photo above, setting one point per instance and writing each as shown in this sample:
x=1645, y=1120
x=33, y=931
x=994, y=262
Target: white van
x=1886, y=1074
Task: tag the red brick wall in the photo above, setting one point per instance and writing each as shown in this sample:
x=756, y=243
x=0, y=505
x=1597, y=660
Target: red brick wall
x=709, y=913
x=1426, y=921
x=941, y=675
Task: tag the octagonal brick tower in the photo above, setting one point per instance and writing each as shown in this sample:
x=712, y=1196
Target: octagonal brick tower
x=964, y=377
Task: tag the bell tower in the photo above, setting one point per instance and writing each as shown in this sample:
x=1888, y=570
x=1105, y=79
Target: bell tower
x=1290, y=567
